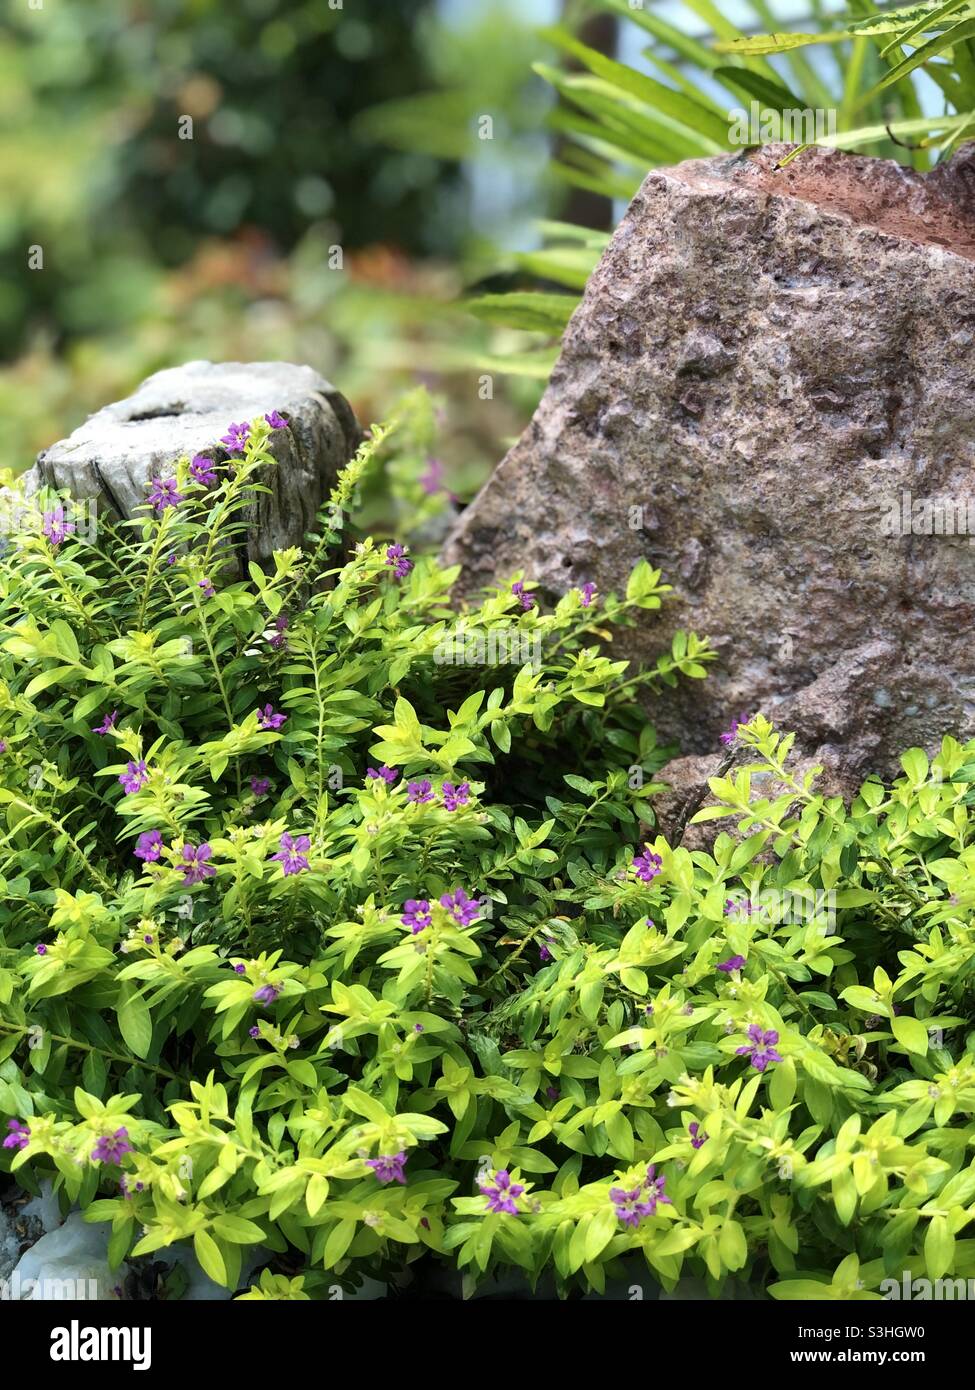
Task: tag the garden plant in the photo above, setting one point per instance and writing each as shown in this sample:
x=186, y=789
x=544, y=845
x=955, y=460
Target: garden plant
x=334, y=949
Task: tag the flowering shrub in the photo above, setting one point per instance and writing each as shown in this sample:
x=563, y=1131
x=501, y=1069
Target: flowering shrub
x=313, y=941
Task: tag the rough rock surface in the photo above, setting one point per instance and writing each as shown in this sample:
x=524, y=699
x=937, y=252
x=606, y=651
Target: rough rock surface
x=763, y=363
x=185, y=410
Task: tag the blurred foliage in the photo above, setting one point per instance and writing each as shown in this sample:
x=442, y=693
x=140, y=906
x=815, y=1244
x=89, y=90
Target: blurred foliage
x=159, y=249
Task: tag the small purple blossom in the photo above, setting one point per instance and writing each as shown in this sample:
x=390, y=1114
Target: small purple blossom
x=55, y=527
x=734, y=908
x=416, y=914
x=420, y=792
x=19, y=1136
x=202, y=470
x=134, y=778
x=655, y=1189
x=127, y=1191
x=698, y=1137
x=41, y=949
x=397, y=561
x=524, y=598
x=453, y=797
x=240, y=969
x=462, y=908
x=418, y=1028
x=761, y=1049
x=112, y=1148
x=254, y=1032
x=260, y=786
x=195, y=867
x=389, y=1167
x=235, y=440
x=148, y=940
x=387, y=774
x=501, y=1192
x=292, y=854
x=731, y=733
x=206, y=585
x=588, y=593
x=544, y=954
x=276, y=421
x=280, y=629
x=164, y=493
x=647, y=865
x=107, y=724
x=432, y=480
x=734, y=963
x=631, y=1207
x=148, y=847
x=269, y=718
x=267, y=994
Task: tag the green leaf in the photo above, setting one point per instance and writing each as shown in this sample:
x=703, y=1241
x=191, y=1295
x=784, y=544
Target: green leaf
x=208, y=1253
x=910, y=1033
x=134, y=1019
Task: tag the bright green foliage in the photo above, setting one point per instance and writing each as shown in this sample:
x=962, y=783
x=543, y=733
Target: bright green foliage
x=262, y=1037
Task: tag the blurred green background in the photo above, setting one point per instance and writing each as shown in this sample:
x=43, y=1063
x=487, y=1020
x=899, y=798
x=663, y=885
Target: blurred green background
x=186, y=169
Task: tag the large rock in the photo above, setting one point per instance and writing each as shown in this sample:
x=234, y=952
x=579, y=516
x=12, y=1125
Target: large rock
x=764, y=362
x=185, y=410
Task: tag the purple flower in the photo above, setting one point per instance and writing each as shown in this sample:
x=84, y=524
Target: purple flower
x=268, y=718
x=276, y=421
x=19, y=1136
x=501, y=1193
x=418, y=1028
x=655, y=1189
x=388, y=1167
x=134, y=778
x=240, y=969
x=171, y=559
x=588, y=593
x=235, y=440
x=647, y=865
x=432, y=480
x=416, y=914
x=41, y=949
x=698, y=1137
x=292, y=853
x=266, y=995
x=164, y=493
x=419, y=792
x=207, y=586
x=255, y=1032
x=148, y=847
x=112, y=1148
x=525, y=599
x=55, y=527
x=148, y=940
x=630, y=1206
x=195, y=867
x=552, y=1092
x=202, y=470
x=462, y=908
x=735, y=963
x=260, y=786
x=455, y=796
x=280, y=628
x=732, y=908
x=396, y=559
x=127, y=1191
x=388, y=774
x=107, y=724
x=731, y=733
x=761, y=1049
